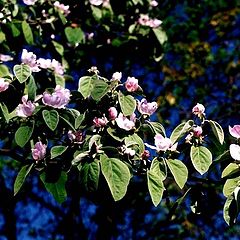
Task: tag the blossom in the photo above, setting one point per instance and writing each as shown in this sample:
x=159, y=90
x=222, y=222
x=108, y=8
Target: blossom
x=100, y=122
x=44, y=63
x=197, y=131
x=26, y=108
x=131, y=84
x=153, y=3
x=124, y=123
x=29, y=2
x=30, y=59
x=117, y=76
x=76, y=137
x=162, y=143
x=146, y=108
x=39, y=151
x=112, y=113
x=62, y=8
x=57, y=67
x=96, y=2
x=58, y=99
x=5, y=58
x=198, y=110
x=235, y=131
x=3, y=84
x=128, y=151
x=145, y=155
x=145, y=20
x=235, y=151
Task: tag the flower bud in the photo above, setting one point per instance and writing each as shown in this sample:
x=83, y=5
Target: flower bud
x=198, y=110
x=26, y=108
x=197, y=131
x=112, y=112
x=131, y=84
x=117, y=76
x=39, y=151
x=235, y=131
x=147, y=108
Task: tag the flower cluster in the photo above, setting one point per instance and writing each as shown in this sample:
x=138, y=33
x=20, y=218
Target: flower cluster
x=35, y=64
x=145, y=20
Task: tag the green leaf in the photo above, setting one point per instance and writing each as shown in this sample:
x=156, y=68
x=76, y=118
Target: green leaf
x=135, y=138
x=5, y=112
x=51, y=118
x=68, y=122
x=157, y=128
x=217, y=130
x=230, y=185
x=20, y=179
x=57, y=151
x=27, y=32
x=4, y=71
x=159, y=168
x=57, y=189
x=90, y=175
x=100, y=88
x=15, y=30
x=22, y=72
x=85, y=86
x=59, y=47
x=117, y=175
x=178, y=170
x=160, y=34
x=127, y=104
x=74, y=35
x=23, y=135
x=79, y=120
x=230, y=211
x=31, y=88
x=60, y=80
x=115, y=134
x=201, y=158
x=230, y=170
x=2, y=37
x=181, y=130
x=97, y=13
x=155, y=187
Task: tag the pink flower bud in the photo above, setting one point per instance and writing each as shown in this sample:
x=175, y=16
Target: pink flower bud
x=3, y=85
x=39, y=151
x=124, y=123
x=198, y=110
x=131, y=84
x=147, y=108
x=197, y=131
x=153, y=3
x=58, y=99
x=112, y=113
x=100, y=122
x=235, y=131
x=64, y=9
x=29, y=2
x=26, y=108
x=145, y=155
x=96, y=2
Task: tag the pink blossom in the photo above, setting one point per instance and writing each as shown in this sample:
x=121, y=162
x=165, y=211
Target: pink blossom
x=131, y=84
x=39, y=151
x=235, y=131
x=124, y=123
x=145, y=20
x=57, y=67
x=198, y=110
x=145, y=155
x=3, y=84
x=26, y=108
x=153, y=3
x=235, y=151
x=96, y=2
x=100, y=122
x=5, y=58
x=44, y=63
x=62, y=8
x=162, y=143
x=29, y=2
x=58, y=99
x=197, y=131
x=30, y=59
x=117, y=76
x=146, y=108
x=112, y=113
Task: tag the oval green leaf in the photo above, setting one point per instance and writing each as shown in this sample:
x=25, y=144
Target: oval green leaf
x=117, y=175
x=201, y=158
x=127, y=104
x=57, y=151
x=51, y=118
x=231, y=169
x=22, y=72
x=85, y=86
x=217, y=131
x=23, y=135
x=178, y=170
x=27, y=32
